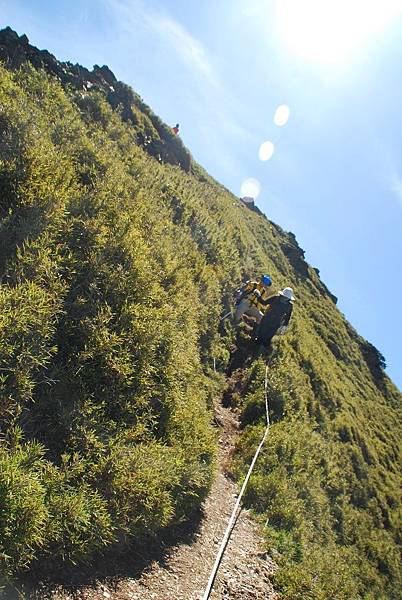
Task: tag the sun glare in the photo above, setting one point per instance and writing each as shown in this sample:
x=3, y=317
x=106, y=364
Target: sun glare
x=328, y=31
x=251, y=188
x=266, y=150
x=281, y=115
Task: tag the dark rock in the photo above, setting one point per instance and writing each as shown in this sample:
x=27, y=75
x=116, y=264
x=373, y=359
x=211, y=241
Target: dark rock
x=322, y=288
x=295, y=255
x=250, y=204
x=374, y=360
x=10, y=35
x=333, y=346
x=123, y=96
x=106, y=73
x=16, y=50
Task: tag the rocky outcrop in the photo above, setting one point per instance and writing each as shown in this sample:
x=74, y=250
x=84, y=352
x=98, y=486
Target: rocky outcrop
x=323, y=288
x=250, y=204
x=295, y=256
x=152, y=134
x=16, y=50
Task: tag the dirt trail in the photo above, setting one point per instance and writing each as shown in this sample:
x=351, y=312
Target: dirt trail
x=182, y=570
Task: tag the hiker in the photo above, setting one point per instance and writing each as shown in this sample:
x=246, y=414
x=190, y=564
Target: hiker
x=277, y=316
x=250, y=298
x=175, y=129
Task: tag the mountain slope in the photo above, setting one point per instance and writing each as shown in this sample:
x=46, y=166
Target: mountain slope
x=118, y=255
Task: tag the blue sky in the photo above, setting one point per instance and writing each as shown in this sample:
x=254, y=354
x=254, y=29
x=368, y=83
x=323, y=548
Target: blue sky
x=221, y=67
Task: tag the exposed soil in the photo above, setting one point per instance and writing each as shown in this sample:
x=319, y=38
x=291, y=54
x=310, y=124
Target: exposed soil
x=180, y=570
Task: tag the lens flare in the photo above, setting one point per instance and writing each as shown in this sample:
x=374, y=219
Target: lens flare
x=266, y=150
x=281, y=115
x=250, y=187
x=328, y=31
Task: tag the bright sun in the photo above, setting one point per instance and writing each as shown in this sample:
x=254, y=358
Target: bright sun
x=328, y=31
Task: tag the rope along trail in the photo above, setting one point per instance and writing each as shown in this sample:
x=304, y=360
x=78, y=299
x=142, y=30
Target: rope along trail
x=237, y=508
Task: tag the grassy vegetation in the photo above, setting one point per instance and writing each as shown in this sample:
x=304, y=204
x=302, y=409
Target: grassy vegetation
x=104, y=399
x=115, y=268
x=327, y=485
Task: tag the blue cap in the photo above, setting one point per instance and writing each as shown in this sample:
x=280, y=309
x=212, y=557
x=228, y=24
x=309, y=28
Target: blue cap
x=266, y=280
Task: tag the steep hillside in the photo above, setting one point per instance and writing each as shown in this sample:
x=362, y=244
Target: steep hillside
x=118, y=256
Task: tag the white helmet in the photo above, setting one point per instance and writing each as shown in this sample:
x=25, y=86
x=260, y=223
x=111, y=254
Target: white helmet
x=288, y=293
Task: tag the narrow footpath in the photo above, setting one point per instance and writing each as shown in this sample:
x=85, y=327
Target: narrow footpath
x=183, y=571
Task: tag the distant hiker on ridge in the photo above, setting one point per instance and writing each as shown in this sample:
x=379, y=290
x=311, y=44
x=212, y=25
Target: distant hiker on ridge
x=175, y=129
x=277, y=316
x=250, y=298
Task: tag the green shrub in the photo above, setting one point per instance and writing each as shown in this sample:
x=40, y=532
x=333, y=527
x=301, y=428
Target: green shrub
x=115, y=271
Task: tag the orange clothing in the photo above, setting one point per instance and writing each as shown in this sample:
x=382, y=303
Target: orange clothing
x=248, y=289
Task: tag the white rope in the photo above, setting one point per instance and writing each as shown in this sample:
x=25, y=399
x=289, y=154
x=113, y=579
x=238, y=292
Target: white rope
x=237, y=509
